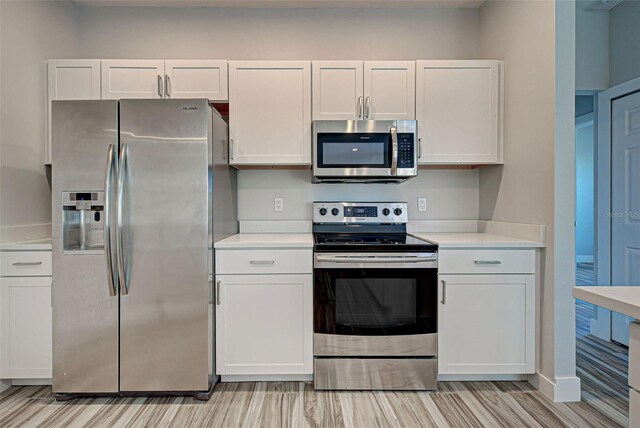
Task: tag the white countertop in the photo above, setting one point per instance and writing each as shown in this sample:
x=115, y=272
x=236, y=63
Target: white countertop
x=476, y=240
x=624, y=300
x=38, y=245
x=267, y=240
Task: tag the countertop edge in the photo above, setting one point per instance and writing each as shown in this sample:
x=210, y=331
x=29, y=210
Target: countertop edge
x=607, y=302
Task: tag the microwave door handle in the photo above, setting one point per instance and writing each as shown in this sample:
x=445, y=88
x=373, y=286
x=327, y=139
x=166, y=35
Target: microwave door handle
x=394, y=151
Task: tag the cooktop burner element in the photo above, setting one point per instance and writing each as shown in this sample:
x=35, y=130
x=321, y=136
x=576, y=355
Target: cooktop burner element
x=364, y=226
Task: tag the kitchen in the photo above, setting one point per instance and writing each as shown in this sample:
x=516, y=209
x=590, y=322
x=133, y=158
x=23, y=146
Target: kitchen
x=484, y=191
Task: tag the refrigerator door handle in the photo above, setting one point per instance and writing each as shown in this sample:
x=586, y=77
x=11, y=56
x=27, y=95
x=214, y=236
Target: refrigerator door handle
x=122, y=274
x=111, y=280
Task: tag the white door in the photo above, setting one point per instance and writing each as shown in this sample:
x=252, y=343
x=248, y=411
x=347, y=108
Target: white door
x=264, y=324
x=625, y=202
x=70, y=79
x=337, y=90
x=196, y=79
x=132, y=78
x=26, y=328
x=458, y=109
x=270, y=112
x=389, y=90
x=486, y=324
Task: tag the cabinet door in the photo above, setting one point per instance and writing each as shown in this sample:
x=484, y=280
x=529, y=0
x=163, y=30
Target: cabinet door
x=264, y=324
x=458, y=108
x=196, y=79
x=486, y=324
x=26, y=328
x=389, y=90
x=132, y=78
x=270, y=112
x=70, y=79
x=337, y=90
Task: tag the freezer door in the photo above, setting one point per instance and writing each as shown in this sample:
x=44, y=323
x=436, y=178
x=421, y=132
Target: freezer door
x=85, y=311
x=164, y=328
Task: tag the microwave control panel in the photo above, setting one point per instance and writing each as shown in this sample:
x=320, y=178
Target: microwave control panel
x=406, y=153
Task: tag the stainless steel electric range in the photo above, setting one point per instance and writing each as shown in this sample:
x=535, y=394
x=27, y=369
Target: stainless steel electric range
x=375, y=299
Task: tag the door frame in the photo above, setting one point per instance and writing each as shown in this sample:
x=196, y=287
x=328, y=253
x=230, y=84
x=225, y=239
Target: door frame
x=601, y=323
x=581, y=122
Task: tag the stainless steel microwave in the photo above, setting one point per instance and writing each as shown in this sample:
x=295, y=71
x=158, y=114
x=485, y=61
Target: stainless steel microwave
x=364, y=150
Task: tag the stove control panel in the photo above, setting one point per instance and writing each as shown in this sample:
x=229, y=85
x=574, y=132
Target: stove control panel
x=360, y=212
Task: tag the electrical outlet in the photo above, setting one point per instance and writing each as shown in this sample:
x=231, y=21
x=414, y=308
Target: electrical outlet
x=278, y=204
x=422, y=204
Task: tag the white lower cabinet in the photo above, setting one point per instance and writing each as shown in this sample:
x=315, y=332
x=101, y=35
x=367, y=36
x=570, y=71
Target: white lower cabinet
x=26, y=328
x=264, y=324
x=486, y=324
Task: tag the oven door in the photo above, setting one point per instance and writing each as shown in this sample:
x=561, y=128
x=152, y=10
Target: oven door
x=375, y=304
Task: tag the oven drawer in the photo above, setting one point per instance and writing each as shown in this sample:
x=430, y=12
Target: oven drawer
x=410, y=345
x=25, y=263
x=245, y=262
x=478, y=261
x=375, y=373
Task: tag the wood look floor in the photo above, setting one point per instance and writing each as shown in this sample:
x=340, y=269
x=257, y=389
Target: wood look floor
x=602, y=366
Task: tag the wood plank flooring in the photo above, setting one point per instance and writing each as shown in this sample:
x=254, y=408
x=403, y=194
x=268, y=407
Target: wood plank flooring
x=602, y=366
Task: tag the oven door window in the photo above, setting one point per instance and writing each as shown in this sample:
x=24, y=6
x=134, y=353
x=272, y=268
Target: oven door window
x=357, y=150
x=372, y=302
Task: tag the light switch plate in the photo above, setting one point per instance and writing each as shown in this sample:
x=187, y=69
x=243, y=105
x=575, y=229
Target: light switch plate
x=422, y=204
x=278, y=204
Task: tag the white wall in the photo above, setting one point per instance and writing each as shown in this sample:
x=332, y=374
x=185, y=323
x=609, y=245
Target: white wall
x=585, y=168
x=31, y=31
x=523, y=33
x=278, y=33
x=624, y=42
x=450, y=194
x=592, y=47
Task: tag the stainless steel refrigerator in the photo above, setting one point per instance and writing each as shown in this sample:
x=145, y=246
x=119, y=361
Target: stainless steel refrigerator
x=141, y=189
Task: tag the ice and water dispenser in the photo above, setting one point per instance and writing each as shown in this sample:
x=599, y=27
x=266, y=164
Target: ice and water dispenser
x=83, y=222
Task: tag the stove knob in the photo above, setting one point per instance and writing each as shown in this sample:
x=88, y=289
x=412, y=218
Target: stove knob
x=397, y=211
x=335, y=211
x=385, y=211
x=323, y=211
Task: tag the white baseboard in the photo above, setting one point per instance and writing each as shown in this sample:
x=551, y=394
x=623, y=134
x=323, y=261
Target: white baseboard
x=268, y=378
x=482, y=378
x=36, y=382
x=526, y=231
x=27, y=232
x=584, y=259
x=5, y=384
x=564, y=389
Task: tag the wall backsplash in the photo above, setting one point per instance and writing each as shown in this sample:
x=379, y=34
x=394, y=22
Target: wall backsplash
x=450, y=194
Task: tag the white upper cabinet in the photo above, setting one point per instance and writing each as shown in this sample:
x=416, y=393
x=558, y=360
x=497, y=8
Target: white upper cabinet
x=270, y=112
x=459, y=112
x=196, y=79
x=337, y=90
x=70, y=79
x=363, y=90
x=132, y=78
x=389, y=90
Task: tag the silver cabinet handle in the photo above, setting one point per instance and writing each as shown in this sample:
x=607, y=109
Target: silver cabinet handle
x=360, y=108
x=419, y=148
x=231, y=148
x=107, y=220
x=122, y=275
x=444, y=292
x=487, y=262
x=26, y=263
x=160, y=89
x=394, y=150
x=367, y=106
x=262, y=262
x=218, y=292
x=167, y=85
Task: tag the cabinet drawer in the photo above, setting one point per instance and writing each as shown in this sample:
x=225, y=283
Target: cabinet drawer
x=478, y=261
x=263, y=261
x=25, y=263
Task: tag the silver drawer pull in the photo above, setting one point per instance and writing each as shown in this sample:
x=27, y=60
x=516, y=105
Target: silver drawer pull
x=262, y=262
x=488, y=262
x=27, y=263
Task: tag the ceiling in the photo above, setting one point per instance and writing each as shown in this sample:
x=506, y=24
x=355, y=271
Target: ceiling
x=287, y=3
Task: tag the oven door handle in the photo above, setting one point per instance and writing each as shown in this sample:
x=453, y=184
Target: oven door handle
x=376, y=259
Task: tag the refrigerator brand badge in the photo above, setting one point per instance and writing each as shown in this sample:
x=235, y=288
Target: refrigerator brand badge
x=190, y=108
